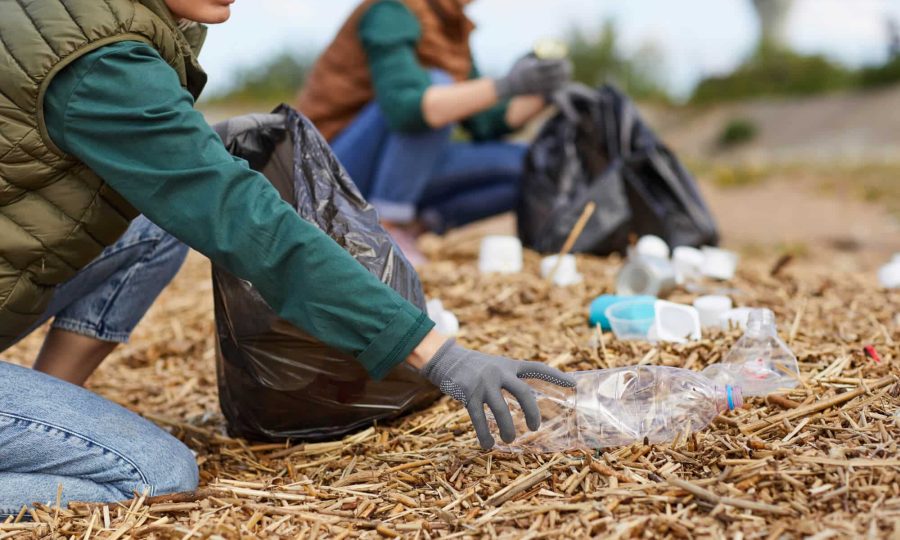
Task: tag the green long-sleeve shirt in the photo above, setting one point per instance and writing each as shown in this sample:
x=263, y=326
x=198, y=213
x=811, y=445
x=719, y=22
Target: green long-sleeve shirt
x=122, y=111
x=389, y=33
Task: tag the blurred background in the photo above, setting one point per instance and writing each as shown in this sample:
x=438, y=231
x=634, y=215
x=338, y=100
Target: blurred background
x=788, y=111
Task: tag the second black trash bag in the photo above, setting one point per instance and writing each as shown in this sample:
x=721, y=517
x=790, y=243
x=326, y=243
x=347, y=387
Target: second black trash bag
x=275, y=380
x=597, y=148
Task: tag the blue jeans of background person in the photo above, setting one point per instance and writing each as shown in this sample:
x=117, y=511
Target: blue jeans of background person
x=52, y=432
x=427, y=175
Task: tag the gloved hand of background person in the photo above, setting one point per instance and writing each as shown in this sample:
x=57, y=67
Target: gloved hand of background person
x=533, y=75
x=476, y=379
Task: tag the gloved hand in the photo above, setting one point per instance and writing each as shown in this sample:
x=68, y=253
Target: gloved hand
x=532, y=75
x=475, y=379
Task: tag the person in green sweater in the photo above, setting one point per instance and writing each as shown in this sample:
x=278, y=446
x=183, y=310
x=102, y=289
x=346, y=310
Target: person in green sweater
x=113, y=135
x=387, y=93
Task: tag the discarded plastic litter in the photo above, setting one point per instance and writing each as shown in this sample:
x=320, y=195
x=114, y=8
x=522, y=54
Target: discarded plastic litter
x=632, y=319
x=652, y=246
x=621, y=406
x=677, y=323
x=711, y=307
x=688, y=263
x=597, y=310
x=719, y=263
x=889, y=274
x=760, y=363
x=500, y=254
x=567, y=272
x=445, y=321
x=651, y=276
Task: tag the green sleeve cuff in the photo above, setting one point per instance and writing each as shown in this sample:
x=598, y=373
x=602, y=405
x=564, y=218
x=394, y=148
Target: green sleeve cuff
x=396, y=342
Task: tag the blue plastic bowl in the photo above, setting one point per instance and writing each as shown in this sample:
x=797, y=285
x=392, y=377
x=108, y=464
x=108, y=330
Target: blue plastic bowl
x=597, y=311
x=632, y=319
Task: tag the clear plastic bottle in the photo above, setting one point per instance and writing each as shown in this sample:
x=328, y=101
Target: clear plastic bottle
x=616, y=407
x=760, y=363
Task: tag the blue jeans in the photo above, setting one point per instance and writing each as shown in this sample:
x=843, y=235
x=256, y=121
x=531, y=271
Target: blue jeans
x=52, y=432
x=427, y=175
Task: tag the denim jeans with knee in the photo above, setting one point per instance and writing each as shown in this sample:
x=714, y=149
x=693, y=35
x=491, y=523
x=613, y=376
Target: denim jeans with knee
x=53, y=433
x=427, y=175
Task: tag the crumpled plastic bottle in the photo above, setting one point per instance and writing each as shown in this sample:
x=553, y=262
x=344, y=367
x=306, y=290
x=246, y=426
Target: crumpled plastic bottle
x=760, y=362
x=621, y=406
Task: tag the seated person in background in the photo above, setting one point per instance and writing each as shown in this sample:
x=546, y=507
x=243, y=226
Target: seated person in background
x=386, y=94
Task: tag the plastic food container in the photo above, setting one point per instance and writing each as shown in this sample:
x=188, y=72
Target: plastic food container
x=719, y=263
x=567, y=273
x=677, y=323
x=711, y=307
x=597, y=310
x=633, y=319
x=500, y=254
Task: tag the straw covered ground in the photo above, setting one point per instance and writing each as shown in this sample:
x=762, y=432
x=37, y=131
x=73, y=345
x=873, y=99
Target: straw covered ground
x=820, y=462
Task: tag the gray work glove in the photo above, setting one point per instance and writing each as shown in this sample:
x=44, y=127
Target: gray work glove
x=476, y=379
x=532, y=75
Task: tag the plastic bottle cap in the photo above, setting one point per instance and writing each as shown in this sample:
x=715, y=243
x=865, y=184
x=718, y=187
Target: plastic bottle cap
x=501, y=254
x=567, y=272
x=711, y=307
x=719, y=263
x=734, y=396
x=652, y=246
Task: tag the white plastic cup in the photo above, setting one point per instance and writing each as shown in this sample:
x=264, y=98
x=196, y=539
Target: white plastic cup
x=889, y=275
x=567, y=273
x=500, y=254
x=688, y=263
x=652, y=246
x=735, y=317
x=719, y=263
x=711, y=307
x=676, y=322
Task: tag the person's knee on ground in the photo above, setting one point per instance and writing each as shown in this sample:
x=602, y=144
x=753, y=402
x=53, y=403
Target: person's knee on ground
x=91, y=327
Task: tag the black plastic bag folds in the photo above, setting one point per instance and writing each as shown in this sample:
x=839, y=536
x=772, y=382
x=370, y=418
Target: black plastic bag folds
x=597, y=148
x=275, y=380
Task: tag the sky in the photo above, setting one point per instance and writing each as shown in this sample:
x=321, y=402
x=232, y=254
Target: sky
x=696, y=38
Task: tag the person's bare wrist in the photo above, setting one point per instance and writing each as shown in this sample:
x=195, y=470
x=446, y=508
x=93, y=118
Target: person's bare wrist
x=426, y=349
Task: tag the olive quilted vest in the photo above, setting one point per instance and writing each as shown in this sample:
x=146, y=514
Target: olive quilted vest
x=56, y=215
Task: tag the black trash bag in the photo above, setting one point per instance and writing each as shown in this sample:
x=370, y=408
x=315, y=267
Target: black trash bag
x=597, y=148
x=275, y=380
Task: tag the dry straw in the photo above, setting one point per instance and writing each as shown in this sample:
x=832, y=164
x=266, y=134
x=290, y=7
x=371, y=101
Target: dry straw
x=819, y=462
